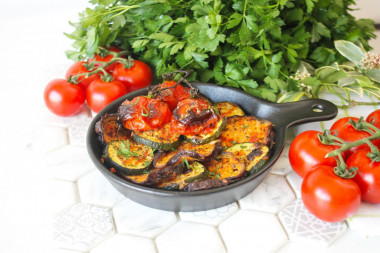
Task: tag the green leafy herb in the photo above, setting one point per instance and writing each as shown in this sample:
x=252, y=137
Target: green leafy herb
x=252, y=45
x=125, y=149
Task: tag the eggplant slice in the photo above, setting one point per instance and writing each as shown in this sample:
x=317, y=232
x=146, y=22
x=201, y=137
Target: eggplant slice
x=189, y=151
x=108, y=129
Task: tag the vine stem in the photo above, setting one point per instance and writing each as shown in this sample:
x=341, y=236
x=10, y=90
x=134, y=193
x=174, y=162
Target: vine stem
x=348, y=145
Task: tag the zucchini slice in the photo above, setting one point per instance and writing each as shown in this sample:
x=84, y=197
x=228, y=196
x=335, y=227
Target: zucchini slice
x=253, y=155
x=129, y=157
x=196, y=171
x=228, y=109
x=161, y=139
x=241, y=129
x=108, y=129
x=205, y=138
x=226, y=166
x=189, y=151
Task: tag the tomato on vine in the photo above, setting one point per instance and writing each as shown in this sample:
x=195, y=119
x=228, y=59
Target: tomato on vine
x=63, y=98
x=137, y=76
x=348, y=133
x=100, y=93
x=328, y=196
x=374, y=118
x=76, y=70
x=368, y=176
x=307, y=151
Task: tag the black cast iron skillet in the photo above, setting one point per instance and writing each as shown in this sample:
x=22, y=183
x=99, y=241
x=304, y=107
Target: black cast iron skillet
x=281, y=115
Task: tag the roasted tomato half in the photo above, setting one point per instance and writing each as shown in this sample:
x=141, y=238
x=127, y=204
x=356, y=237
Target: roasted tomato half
x=193, y=116
x=144, y=113
x=172, y=95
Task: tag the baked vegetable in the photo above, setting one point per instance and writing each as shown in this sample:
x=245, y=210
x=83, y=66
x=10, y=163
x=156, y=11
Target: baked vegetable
x=109, y=129
x=161, y=139
x=228, y=109
x=203, y=153
x=196, y=171
x=226, y=166
x=213, y=134
x=240, y=129
x=253, y=155
x=129, y=157
x=205, y=184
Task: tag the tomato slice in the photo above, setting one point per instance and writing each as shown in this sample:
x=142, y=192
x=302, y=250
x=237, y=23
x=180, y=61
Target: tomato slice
x=144, y=113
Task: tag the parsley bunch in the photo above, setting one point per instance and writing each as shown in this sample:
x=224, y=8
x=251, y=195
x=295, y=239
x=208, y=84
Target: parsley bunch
x=253, y=45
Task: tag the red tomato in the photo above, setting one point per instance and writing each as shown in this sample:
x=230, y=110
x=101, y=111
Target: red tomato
x=106, y=58
x=78, y=68
x=328, y=196
x=374, y=118
x=368, y=176
x=306, y=152
x=101, y=93
x=193, y=116
x=136, y=77
x=144, y=113
x=348, y=133
x=63, y=98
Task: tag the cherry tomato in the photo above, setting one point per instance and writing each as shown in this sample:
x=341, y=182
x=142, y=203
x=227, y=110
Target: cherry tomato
x=374, y=118
x=63, y=98
x=78, y=68
x=101, y=93
x=138, y=76
x=368, y=176
x=193, y=116
x=306, y=152
x=144, y=113
x=347, y=132
x=328, y=196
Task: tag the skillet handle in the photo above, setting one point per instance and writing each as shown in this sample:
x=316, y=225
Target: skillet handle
x=304, y=111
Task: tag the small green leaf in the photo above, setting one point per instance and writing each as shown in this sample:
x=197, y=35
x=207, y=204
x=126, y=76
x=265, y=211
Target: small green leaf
x=291, y=96
x=349, y=50
x=373, y=74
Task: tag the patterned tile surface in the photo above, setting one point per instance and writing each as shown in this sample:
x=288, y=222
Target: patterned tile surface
x=82, y=227
x=211, y=217
x=302, y=226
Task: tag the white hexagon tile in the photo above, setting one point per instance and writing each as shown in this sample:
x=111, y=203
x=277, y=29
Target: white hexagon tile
x=212, y=217
x=133, y=218
x=69, y=163
x=190, y=237
x=271, y=195
x=82, y=227
x=121, y=243
x=95, y=189
x=302, y=226
x=366, y=220
x=252, y=231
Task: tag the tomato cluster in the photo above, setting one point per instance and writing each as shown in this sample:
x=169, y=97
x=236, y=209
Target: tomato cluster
x=333, y=187
x=98, y=81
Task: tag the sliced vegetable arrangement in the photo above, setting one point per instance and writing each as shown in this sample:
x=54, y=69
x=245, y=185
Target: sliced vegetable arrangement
x=97, y=81
x=332, y=189
x=174, y=140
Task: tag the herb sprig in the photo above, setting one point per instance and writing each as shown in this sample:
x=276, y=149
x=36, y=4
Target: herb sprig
x=252, y=45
